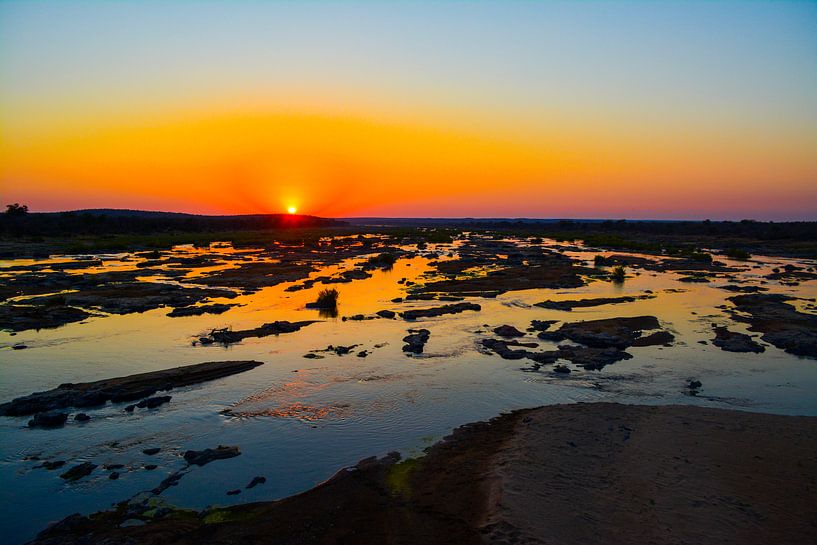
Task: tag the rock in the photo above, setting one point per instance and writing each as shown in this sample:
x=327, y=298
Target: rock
x=113, y=475
x=81, y=417
x=66, y=526
x=203, y=457
x=500, y=347
x=226, y=336
x=151, y=451
x=256, y=481
x=694, y=279
x=389, y=314
x=150, y=467
x=456, y=308
x=508, y=331
x=659, y=338
x=25, y=317
x=780, y=323
x=48, y=419
x=113, y=466
x=609, y=332
x=562, y=369
x=153, y=402
x=313, y=356
x=541, y=325
x=78, y=471
x=130, y=408
x=582, y=303
x=591, y=358
x=536, y=270
x=234, y=492
x=586, y=357
x=19, y=347
x=128, y=388
x=56, y=464
x=732, y=341
x=694, y=384
x=215, y=308
x=416, y=340
x=363, y=354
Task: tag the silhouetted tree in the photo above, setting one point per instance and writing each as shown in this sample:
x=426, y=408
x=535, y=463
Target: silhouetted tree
x=16, y=210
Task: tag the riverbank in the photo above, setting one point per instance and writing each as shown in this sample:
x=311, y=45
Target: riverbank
x=588, y=473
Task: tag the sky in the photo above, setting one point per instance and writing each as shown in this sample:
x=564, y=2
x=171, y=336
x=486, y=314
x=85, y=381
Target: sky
x=595, y=109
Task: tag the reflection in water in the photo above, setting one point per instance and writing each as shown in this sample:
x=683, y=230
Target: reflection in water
x=344, y=407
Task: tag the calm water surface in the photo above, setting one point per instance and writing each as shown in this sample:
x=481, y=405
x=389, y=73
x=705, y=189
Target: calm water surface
x=298, y=420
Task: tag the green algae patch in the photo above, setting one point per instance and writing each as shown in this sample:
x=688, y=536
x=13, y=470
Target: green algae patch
x=398, y=476
x=218, y=516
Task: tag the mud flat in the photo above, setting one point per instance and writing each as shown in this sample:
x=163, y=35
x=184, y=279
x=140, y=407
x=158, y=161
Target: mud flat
x=129, y=388
x=566, y=474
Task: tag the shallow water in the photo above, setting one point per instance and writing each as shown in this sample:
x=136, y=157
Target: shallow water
x=298, y=420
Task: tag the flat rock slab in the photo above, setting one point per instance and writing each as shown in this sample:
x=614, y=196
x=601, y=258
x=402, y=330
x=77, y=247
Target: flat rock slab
x=584, y=303
x=780, y=323
x=204, y=457
x=132, y=387
x=609, y=332
x=15, y=317
x=456, y=308
x=227, y=336
x=732, y=341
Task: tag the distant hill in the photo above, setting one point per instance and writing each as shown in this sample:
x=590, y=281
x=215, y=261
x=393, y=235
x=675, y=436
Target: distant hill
x=102, y=221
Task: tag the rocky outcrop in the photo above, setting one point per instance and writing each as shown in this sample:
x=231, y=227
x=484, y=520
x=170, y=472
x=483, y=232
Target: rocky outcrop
x=609, y=332
x=731, y=341
x=508, y=331
x=779, y=322
x=228, y=336
x=416, y=340
x=204, y=457
x=456, y=308
x=215, y=308
x=142, y=385
x=569, y=305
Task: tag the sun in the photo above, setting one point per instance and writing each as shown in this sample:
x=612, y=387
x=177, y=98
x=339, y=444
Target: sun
x=292, y=209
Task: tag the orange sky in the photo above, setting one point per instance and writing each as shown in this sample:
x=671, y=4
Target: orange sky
x=357, y=165
x=443, y=115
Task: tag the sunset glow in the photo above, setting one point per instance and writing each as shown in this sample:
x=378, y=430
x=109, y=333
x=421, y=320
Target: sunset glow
x=292, y=209
x=403, y=109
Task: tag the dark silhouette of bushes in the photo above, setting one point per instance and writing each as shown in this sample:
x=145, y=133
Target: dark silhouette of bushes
x=327, y=300
x=18, y=221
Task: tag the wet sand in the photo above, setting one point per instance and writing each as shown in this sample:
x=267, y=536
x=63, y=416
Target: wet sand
x=597, y=473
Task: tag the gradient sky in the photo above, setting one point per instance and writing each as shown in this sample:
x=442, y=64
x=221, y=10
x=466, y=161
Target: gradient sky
x=537, y=109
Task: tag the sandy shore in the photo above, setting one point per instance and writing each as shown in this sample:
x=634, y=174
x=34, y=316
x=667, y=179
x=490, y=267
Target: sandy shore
x=567, y=474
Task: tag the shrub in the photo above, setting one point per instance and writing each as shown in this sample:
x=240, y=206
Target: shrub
x=384, y=260
x=618, y=274
x=700, y=256
x=736, y=253
x=327, y=299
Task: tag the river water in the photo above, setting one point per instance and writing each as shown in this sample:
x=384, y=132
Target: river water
x=298, y=420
